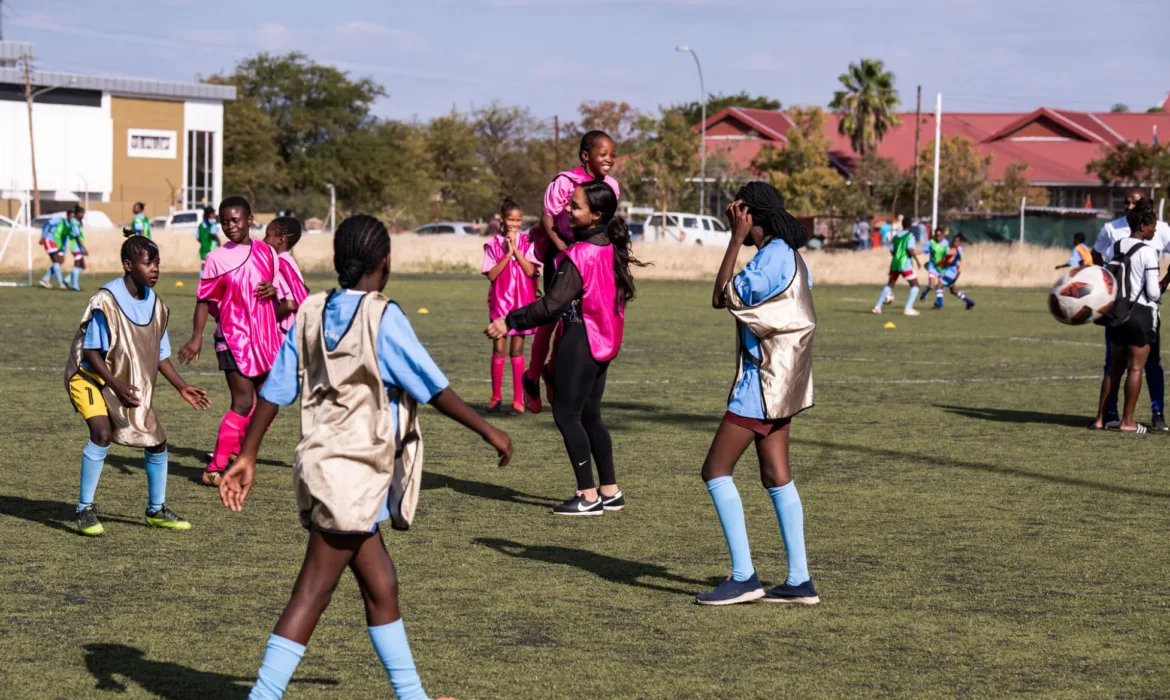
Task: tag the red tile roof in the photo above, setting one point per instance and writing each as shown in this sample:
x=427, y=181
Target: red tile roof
x=1057, y=144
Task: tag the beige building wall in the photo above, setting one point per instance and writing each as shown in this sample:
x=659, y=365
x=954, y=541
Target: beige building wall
x=156, y=182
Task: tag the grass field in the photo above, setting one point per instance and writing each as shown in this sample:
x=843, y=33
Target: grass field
x=968, y=537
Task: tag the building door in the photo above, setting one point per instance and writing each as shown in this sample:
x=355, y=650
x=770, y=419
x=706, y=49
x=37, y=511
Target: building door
x=200, y=170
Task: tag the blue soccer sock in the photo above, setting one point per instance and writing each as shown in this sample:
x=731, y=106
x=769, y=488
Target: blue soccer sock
x=394, y=651
x=790, y=513
x=281, y=657
x=75, y=277
x=886, y=291
x=729, y=508
x=93, y=458
x=57, y=273
x=49, y=273
x=156, y=478
x=912, y=298
x=1155, y=379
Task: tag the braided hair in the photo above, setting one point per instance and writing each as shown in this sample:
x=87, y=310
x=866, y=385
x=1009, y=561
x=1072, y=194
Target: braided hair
x=360, y=245
x=602, y=200
x=588, y=141
x=137, y=245
x=288, y=227
x=766, y=205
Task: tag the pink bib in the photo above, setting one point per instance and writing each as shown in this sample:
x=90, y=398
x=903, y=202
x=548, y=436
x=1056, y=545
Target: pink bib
x=247, y=324
x=605, y=320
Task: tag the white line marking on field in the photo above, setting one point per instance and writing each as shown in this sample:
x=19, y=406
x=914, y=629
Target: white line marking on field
x=1055, y=340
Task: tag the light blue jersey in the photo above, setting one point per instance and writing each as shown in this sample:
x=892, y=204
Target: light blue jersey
x=403, y=363
x=139, y=311
x=767, y=274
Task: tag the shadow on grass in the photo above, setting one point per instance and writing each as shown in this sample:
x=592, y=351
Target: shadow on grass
x=935, y=461
x=164, y=679
x=656, y=413
x=622, y=571
x=481, y=489
x=128, y=465
x=1007, y=415
x=54, y=514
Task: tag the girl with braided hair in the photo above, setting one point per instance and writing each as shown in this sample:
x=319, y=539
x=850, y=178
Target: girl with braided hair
x=771, y=300
x=589, y=294
x=360, y=372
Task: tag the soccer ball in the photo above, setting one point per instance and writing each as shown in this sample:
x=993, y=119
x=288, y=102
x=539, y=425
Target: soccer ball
x=1082, y=295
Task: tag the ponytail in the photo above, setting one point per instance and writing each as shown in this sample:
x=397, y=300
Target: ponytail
x=619, y=237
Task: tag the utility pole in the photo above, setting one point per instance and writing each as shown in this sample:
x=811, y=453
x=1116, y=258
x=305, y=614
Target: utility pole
x=556, y=142
x=31, y=145
x=917, y=135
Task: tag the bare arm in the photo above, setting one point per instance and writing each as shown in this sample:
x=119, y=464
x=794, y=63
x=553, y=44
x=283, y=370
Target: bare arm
x=127, y=394
x=497, y=269
x=550, y=227
x=287, y=308
x=525, y=264
x=191, y=394
x=449, y=404
x=237, y=482
x=190, y=352
x=741, y=223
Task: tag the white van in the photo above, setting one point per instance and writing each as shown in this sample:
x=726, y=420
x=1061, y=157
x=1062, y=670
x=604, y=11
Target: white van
x=687, y=229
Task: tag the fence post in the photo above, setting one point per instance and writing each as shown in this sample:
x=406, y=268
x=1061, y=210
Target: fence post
x=1023, y=203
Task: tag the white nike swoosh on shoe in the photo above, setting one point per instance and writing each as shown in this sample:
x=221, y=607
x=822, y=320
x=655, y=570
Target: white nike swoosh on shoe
x=582, y=506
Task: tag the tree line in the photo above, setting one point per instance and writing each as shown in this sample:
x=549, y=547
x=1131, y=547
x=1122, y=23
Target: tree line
x=297, y=125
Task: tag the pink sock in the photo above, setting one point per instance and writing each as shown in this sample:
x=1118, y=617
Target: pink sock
x=497, y=377
x=518, y=380
x=540, y=343
x=227, y=442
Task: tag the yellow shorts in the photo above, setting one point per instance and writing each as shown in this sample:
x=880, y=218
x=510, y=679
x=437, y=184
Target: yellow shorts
x=85, y=390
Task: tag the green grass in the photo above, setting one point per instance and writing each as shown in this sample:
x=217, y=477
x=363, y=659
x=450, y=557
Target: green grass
x=969, y=538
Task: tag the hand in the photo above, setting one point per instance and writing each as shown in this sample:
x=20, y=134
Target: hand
x=265, y=290
x=498, y=329
x=740, y=219
x=190, y=352
x=196, y=397
x=127, y=395
x=510, y=239
x=237, y=482
x=502, y=442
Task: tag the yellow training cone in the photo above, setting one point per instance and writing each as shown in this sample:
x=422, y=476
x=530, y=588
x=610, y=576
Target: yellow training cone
x=889, y=324
x=423, y=311
x=179, y=283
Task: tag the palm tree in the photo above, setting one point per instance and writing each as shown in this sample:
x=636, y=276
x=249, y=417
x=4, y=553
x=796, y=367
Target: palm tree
x=866, y=104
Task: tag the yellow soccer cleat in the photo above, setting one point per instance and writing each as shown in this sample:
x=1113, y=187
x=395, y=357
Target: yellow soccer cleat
x=87, y=522
x=167, y=519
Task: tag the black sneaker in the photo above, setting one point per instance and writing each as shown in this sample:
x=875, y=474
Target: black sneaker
x=614, y=502
x=1159, y=422
x=87, y=522
x=578, y=505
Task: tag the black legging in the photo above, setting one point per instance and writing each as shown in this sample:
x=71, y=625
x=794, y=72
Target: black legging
x=580, y=383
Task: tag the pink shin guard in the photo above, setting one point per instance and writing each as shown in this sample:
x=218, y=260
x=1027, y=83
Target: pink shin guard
x=497, y=378
x=540, y=345
x=518, y=380
x=229, y=439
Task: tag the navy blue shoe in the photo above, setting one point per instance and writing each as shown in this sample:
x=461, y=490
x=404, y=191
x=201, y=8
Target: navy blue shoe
x=970, y=304
x=803, y=594
x=731, y=592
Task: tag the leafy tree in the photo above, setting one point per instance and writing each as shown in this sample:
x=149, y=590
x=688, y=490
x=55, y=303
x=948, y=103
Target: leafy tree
x=467, y=187
x=962, y=174
x=1005, y=196
x=801, y=170
x=1133, y=164
x=866, y=104
x=618, y=119
x=504, y=135
x=664, y=155
x=251, y=161
x=884, y=183
x=1119, y=107
x=693, y=111
x=1156, y=109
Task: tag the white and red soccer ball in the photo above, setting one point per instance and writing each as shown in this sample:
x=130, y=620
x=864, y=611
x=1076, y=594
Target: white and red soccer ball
x=1082, y=295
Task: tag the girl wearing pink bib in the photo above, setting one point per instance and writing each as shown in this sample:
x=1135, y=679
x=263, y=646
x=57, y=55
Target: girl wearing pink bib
x=589, y=295
x=511, y=266
x=555, y=234
x=238, y=288
x=282, y=235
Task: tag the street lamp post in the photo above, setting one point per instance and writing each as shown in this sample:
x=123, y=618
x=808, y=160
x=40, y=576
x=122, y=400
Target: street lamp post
x=683, y=48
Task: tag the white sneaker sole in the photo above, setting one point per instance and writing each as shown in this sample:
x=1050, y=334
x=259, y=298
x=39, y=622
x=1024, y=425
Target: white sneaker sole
x=614, y=508
x=745, y=598
x=809, y=600
x=599, y=511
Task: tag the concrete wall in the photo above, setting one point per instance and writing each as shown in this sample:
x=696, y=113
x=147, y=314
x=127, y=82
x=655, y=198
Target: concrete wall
x=73, y=149
x=153, y=181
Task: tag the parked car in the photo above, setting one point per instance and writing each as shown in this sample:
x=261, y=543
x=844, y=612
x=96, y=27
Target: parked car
x=186, y=219
x=92, y=219
x=688, y=229
x=636, y=230
x=458, y=228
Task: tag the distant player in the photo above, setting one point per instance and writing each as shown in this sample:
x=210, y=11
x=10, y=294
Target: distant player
x=936, y=253
x=511, y=266
x=118, y=352
x=949, y=272
x=1081, y=254
x=1102, y=253
x=53, y=235
x=75, y=243
x=902, y=251
x=208, y=235
x=140, y=226
x=283, y=234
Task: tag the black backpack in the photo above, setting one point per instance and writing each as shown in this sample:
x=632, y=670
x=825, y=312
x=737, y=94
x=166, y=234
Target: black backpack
x=1123, y=305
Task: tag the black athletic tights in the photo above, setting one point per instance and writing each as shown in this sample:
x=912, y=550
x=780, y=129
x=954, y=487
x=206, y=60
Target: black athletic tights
x=580, y=383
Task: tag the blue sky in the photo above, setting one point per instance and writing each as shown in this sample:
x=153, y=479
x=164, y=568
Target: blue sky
x=551, y=55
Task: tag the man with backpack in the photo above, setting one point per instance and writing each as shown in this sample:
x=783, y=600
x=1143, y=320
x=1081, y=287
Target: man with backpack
x=1102, y=252
x=1132, y=324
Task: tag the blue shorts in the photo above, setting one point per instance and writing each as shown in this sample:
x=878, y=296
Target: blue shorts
x=949, y=276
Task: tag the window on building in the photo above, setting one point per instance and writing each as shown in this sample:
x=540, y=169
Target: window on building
x=200, y=169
